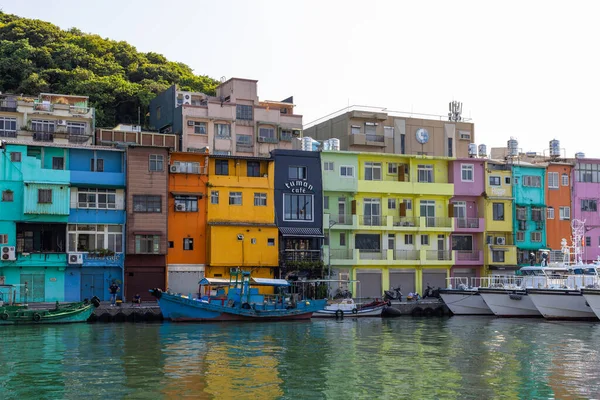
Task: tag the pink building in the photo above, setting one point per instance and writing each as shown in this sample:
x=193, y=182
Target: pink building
x=586, y=196
x=467, y=208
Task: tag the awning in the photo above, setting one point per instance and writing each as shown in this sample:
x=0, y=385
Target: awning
x=494, y=248
x=270, y=282
x=214, y=281
x=301, y=232
x=504, y=267
x=199, y=194
x=147, y=233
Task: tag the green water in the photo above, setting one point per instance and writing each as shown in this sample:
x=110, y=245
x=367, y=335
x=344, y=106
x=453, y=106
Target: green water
x=427, y=358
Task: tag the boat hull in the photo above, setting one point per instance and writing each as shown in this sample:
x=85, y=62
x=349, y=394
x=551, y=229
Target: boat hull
x=509, y=303
x=465, y=302
x=27, y=316
x=371, y=312
x=563, y=304
x=592, y=296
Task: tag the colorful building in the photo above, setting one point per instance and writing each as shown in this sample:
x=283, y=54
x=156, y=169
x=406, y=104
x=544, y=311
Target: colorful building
x=468, y=210
x=241, y=216
x=529, y=222
x=558, y=211
x=187, y=211
x=500, y=252
x=234, y=122
x=399, y=230
x=586, y=196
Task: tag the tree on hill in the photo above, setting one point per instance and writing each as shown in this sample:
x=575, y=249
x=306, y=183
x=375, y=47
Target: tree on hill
x=39, y=57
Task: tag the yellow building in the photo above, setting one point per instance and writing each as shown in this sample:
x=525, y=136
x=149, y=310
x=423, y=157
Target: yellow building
x=398, y=229
x=500, y=251
x=241, y=216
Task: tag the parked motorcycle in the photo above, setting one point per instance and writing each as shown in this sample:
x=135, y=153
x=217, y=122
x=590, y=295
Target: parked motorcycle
x=342, y=294
x=394, y=294
x=431, y=292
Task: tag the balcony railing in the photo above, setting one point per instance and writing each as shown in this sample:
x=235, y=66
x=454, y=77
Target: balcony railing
x=43, y=107
x=375, y=138
x=468, y=255
x=78, y=110
x=406, y=255
x=78, y=138
x=440, y=255
x=43, y=136
x=438, y=222
x=8, y=105
x=301, y=255
x=265, y=139
x=373, y=220
x=372, y=255
x=467, y=223
x=8, y=134
x=341, y=219
x=341, y=254
x=244, y=147
x=406, y=221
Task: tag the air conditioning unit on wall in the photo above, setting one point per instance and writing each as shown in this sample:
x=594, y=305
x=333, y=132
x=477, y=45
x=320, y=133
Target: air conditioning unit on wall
x=174, y=168
x=8, y=253
x=180, y=207
x=501, y=240
x=75, y=258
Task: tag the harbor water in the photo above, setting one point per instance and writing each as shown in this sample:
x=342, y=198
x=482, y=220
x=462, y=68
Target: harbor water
x=371, y=358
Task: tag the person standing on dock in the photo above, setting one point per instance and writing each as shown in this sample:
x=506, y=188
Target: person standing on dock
x=114, y=289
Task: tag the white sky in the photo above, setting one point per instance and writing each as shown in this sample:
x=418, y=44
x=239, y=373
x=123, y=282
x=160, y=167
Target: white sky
x=527, y=69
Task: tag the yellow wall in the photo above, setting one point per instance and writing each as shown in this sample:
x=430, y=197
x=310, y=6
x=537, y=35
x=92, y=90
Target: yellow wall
x=226, y=250
x=498, y=226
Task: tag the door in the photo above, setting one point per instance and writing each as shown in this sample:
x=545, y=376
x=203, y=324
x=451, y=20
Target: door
x=140, y=282
x=441, y=247
x=93, y=285
x=403, y=278
x=36, y=289
x=370, y=285
x=341, y=210
x=428, y=211
x=460, y=213
x=372, y=212
x=434, y=278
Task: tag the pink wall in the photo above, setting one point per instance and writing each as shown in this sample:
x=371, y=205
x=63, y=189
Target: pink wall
x=475, y=188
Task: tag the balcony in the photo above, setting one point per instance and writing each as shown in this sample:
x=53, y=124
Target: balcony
x=504, y=255
x=244, y=147
x=340, y=219
x=47, y=107
x=78, y=139
x=76, y=110
x=407, y=255
x=106, y=179
x=353, y=257
x=97, y=260
x=38, y=260
x=469, y=257
x=372, y=220
x=8, y=134
x=436, y=222
x=361, y=139
x=43, y=136
x=372, y=254
x=469, y=224
x=406, y=222
x=265, y=139
x=341, y=254
x=438, y=255
x=301, y=255
x=8, y=105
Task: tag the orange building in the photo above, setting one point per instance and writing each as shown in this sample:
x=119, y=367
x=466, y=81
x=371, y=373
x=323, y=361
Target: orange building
x=558, y=202
x=186, y=256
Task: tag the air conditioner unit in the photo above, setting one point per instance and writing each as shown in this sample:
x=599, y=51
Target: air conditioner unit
x=174, y=168
x=190, y=123
x=465, y=136
x=61, y=122
x=8, y=253
x=501, y=240
x=187, y=99
x=75, y=258
x=180, y=207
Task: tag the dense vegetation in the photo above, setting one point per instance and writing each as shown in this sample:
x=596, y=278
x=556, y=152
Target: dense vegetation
x=38, y=57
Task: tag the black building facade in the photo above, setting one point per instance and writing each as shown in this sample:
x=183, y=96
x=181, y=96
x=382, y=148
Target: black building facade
x=299, y=212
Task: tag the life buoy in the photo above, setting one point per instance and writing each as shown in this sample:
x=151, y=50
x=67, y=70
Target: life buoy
x=4, y=316
x=439, y=311
x=417, y=312
x=37, y=317
x=354, y=311
x=428, y=312
x=339, y=314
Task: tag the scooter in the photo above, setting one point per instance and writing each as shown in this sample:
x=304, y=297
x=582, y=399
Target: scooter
x=394, y=294
x=431, y=292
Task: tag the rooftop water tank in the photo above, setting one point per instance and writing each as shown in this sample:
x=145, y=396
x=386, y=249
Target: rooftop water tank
x=554, y=148
x=334, y=144
x=580, y=155
x=472, y=149
x=482, y=150
x=306, y=143
x=513, y=147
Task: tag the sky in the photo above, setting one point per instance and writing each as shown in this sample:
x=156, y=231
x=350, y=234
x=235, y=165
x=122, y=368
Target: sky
x=526, y=69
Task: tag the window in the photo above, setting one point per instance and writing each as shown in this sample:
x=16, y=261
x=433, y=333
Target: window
x=392, y=168
x=370, y=128
x=244, y=140
x=147, y=204
x=408, y=239
x=536, y=213
x=4, y=238
x=408, y=204
x=222, y=153
x=402, y=143
x=43, y=126
x=326, y=202
x=498, y=256
x=342, y=238
x=553, y=180
x=507, y=180
x=462, y=242
x=424, y=240
x=328, y=166
x=243, y=112
x=222, y=130
x=391, y=241
x=156, y=162
x=297, y=172
x=425, y=173
x=158, y=112
x=260, y=199
x=297, y=207
x=271, y=242
x=97, y=164
x=564, y=213
x=235, y=198
x=372, y=171
x=532, y=181
x=267, y=133
x=520, y=236
x=391, y=204
x=587, y=173
x=589, y=205
x=95, y=237
x=186, y=203
x=355, y=129
x=388, y=131
x=199, y=127
x=76, y=128
x=536, y=236
x=450, y=147
x=370, y=243
x=466, y=171
x=253, y=168
x=588, y=241
x=347, y=171
x=15, y=157
x=58, y=163
x=7, y=195
x=188, y=243
x=222, y=167
x=494, y=180
x=214, y=197
x=286, y=135
x=96, y=198
x=147, y=244
x=521, y=213
x=565, y=179
x=187, y=167
x=550, y=211
x=498, y=211
x=8, y=127
x=45, y=196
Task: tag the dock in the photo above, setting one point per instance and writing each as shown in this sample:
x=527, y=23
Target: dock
x=417, y=308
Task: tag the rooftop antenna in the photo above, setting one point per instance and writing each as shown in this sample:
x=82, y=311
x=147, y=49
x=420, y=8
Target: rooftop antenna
x=455, y=111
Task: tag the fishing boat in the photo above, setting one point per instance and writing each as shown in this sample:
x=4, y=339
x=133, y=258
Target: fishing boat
x=347, y=308
x=237, y=299
x=462, y=297
x=592, y=298
x=12, y=313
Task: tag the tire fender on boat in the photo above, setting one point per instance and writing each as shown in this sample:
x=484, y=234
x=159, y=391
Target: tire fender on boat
x=417, y=312
x=339, y=314
x=4, y=316
x=96, y=301
x=37, y=317
x=354, y=311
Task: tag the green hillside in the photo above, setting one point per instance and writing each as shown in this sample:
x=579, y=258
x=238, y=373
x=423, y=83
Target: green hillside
x=39, y=57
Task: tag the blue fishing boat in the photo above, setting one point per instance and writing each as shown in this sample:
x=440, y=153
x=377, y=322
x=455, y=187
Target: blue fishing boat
x=237, y=299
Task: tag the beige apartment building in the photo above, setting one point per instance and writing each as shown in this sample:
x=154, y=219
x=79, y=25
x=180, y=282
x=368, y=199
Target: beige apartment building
x=387, y=132
x=54, y=118
x=234, y=122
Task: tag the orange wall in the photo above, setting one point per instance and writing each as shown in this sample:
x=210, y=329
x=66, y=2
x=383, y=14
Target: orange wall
x=556, y=228
x=187, y=224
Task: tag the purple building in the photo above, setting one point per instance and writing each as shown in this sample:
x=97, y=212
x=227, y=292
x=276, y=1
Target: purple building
x=585, y=199
x=467, y=208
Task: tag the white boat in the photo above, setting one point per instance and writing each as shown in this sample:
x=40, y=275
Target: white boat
x=592, y=298
x=347, y=308
x=464, y=299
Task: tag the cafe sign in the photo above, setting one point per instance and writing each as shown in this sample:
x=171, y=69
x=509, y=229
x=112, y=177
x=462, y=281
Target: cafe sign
x=299, y=186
